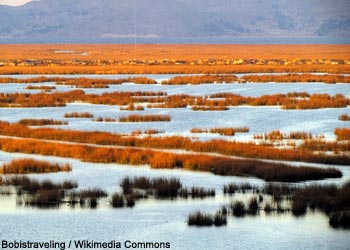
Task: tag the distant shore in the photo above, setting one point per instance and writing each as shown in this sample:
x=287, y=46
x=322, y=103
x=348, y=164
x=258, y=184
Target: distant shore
x=172, y=59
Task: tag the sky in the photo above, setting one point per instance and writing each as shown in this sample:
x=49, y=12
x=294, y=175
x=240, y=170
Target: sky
x=14, y=2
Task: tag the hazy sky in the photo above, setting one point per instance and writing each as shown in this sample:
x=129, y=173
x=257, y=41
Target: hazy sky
x=14, y=2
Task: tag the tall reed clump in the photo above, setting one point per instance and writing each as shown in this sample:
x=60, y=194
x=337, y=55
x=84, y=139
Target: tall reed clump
x=232, y=188
x=344, y=117
x=132, y=107
x=253, y=206
x=120, y=200
x=340, y=219
x=238, y=209
x=196, y=192
x=46, y=198
x=91, y=196
x=342, y=134
x=160, y=187
x=117, y=200
x=200, y=219
x=104, y=119
x=330, y=199
x=28, y=166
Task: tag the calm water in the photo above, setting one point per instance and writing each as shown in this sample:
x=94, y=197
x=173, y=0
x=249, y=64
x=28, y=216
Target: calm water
x=165, y=221
x=158, y=220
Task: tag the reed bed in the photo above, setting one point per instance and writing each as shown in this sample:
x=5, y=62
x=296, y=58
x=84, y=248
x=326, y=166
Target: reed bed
x=200, y=219
x=159, y=160
x=41, y=122
x=145, y=118
x=31, y=166
x=78, y=115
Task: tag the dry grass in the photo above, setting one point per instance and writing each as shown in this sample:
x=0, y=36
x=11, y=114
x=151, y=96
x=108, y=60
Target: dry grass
x=224, y=147
x=145, y=118
x=344, y=117
x=28, y=166
x=268, y=171
x=161, y=51
x=41, y=122
x=78, y=115
x=342, y=133
x=174, y=53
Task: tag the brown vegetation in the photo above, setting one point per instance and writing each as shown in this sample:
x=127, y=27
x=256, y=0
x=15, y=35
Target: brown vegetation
x=141, y=59
x=33, y=100
x=29, y=166
x=81, y=82
x=200, y=219
x=328, y=199
x=145, y=118
x=331, y=199
x=78, y=115
x=224, y=147
x=342, y=133
x=232, y=188
x=91, y=196
x=297, y=78
x=340, y=219
x=147, y=132
x=62, y=98
x=32, y=186
x=344, y=117
x=202, y=79
x=209, y=108
x=102, y=83
x=196, y=192
x=321, y=145
x=183, y=80
x=43, y=194
x=41, y=122
x=215, y=164
x=88, y=82
x=105, y=119
x=160, y=187
x=39, y=79
x=184, y=51
x=277, y=135
x=132, y=107
x=221, y=131
x=117, y=200
x=215, y=102
x=43, y=88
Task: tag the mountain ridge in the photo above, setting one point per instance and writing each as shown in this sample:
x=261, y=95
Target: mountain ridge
x=176, y=18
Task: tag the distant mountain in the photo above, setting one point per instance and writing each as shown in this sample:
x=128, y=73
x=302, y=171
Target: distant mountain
x=86, y=19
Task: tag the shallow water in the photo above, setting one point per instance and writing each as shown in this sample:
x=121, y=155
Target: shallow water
x=247, y=89
x=165, y=223
x=258, y=119
x=155, y=220
x=158, y=221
